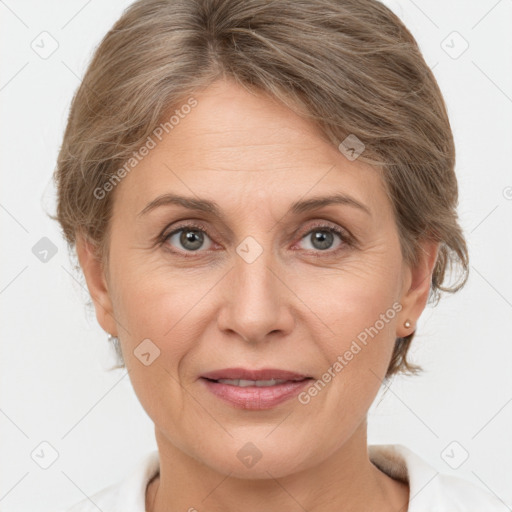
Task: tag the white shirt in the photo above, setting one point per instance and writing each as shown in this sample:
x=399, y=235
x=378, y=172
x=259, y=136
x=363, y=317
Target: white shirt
x=429, y=490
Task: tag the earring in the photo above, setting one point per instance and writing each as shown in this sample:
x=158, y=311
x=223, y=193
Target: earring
x=115, y=343
x=407, y=324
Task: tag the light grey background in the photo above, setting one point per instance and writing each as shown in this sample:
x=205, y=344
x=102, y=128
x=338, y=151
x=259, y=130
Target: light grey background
x=54, y=383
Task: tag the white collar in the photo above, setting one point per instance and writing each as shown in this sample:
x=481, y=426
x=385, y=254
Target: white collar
x=430, y=490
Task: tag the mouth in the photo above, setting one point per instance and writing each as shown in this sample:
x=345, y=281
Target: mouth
x=254, y=389
x=263, y=375
x=243, y=383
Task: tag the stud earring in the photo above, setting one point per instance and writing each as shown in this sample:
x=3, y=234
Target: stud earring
x=114, y=340
x=407, y=324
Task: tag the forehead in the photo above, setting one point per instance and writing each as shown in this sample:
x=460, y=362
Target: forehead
x=245, y=148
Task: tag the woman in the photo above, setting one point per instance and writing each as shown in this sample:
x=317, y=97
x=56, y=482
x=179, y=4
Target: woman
x=262, y=199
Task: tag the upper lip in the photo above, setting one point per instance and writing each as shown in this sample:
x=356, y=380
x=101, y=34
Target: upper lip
x=248, y=374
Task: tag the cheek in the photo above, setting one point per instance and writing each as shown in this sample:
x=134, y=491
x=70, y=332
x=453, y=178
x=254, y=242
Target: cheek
x=356, y=342
x=154, y=308
x=159, y=307
x=352, y=298
x=358, y=306
x=172, y=309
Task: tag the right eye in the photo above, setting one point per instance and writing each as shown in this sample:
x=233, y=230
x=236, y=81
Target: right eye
x=190, y=237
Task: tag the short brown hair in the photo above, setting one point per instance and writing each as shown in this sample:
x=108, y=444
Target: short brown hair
x=349, y=66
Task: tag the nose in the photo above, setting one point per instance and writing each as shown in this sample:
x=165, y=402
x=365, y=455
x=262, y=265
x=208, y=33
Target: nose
x=256, y=302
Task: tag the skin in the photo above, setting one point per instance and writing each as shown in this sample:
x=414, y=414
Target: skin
x=296, y=307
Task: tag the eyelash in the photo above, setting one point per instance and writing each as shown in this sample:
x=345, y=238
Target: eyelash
x=346, y=239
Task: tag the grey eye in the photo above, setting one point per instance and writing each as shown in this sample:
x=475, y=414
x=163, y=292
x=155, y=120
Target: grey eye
x=321, y=239
x=190, y=239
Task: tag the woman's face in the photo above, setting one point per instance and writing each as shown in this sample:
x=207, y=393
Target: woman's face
x=262, y=282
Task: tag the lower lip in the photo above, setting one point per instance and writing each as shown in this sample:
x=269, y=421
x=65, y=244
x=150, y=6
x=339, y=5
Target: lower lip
x=254, y=397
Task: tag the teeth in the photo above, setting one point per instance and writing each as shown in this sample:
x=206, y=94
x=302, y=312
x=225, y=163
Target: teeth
x=244, y=383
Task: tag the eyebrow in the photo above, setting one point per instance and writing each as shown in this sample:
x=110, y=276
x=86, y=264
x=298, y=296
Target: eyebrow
x=208, y=206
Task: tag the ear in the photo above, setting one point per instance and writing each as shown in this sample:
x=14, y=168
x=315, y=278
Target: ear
x=416, y=287
x=96, y=283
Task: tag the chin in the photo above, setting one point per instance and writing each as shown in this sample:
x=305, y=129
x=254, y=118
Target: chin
x=259, y=460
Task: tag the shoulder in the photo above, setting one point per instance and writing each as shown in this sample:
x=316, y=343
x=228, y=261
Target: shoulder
x=127, y=495
x=455, y=493
x=431, y=490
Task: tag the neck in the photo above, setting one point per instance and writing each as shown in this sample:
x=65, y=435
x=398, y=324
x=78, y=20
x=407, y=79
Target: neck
x=345, y=480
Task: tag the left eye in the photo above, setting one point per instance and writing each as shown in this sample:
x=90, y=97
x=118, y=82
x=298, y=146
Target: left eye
x=321, y=238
